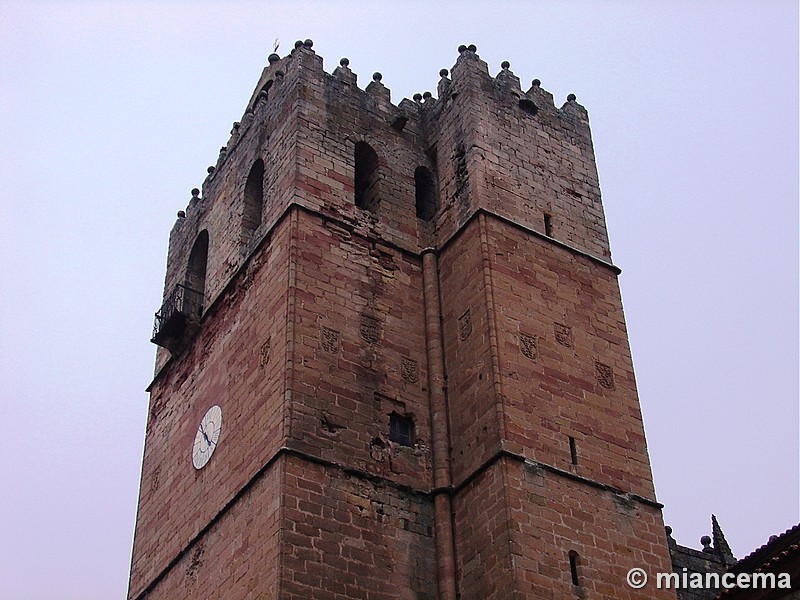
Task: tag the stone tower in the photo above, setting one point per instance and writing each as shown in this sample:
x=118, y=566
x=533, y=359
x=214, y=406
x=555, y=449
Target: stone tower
x=393, y=362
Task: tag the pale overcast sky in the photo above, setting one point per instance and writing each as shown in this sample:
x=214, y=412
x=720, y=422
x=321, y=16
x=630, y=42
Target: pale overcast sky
x=110, y=113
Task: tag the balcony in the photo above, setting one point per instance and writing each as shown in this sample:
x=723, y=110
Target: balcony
x=177, y=319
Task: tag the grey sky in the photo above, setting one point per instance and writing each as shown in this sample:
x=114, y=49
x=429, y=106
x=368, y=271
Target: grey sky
x=110, y=113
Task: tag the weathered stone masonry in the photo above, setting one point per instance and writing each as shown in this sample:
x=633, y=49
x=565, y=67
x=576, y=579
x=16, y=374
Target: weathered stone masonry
x=409, y=317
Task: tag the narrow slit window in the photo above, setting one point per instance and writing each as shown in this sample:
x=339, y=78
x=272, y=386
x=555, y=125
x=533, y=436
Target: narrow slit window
x=548, y=225
x=425, y=191
x=401, y=429
x=573, y=567
x=366, y=177
x=253, y=200
x=196, y=276
x=573, y=451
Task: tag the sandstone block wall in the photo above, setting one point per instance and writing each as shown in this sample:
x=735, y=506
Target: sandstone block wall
x=341, y=379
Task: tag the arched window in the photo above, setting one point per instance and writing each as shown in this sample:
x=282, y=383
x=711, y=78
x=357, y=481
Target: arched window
x=366, y=177
x=196, y=276
x=425, y=188
x=574, y=567
x=253, y=200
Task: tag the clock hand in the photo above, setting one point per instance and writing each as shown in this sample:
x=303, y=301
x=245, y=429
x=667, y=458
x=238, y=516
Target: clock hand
x=203, y=431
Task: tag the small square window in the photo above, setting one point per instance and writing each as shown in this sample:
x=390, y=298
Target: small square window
x=401, y=429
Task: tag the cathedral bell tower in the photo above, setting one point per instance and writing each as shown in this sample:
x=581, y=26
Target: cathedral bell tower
x=393, y=361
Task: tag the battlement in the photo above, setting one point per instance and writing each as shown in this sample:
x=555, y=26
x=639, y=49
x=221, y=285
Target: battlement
x=410, y=174
x=468, y=72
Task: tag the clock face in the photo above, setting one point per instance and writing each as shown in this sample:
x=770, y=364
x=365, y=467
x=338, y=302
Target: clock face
x=205, y=442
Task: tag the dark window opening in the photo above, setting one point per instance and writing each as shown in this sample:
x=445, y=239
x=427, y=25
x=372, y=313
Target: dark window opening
x=366, y=177
x=399, y=122
x=573, y=451
x=548, y=225
x=425, y=189
x=253, y=199
x=196, y=272
x=401, y=429
x=573, y=567
x=528, y=106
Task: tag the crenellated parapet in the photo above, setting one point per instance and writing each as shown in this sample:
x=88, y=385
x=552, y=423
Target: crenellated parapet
x=410, y=174
x=516, y=155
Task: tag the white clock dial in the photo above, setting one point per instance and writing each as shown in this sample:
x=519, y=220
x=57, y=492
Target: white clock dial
x=205, y=441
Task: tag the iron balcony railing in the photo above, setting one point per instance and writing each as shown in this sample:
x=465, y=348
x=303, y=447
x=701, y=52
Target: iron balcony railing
x=182, y=305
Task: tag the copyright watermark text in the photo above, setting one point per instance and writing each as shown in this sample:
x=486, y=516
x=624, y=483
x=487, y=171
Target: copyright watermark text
x=637, y=578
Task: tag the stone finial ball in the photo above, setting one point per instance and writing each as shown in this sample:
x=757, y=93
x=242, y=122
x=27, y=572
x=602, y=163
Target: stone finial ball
x=417, y=97
x=444, y=73
x=427, y=95
x=462, y=48
x=668, y=529
x=505, y=64
x=376, y=76
x=211, y=169
x=536, y=83
x=181, y=214
x=705, y=540
x=344, y=62
x=308, y=43
x=571, y=98
x=195, y=192
x=273, y=58
x=472, y=48
x=298, y=43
